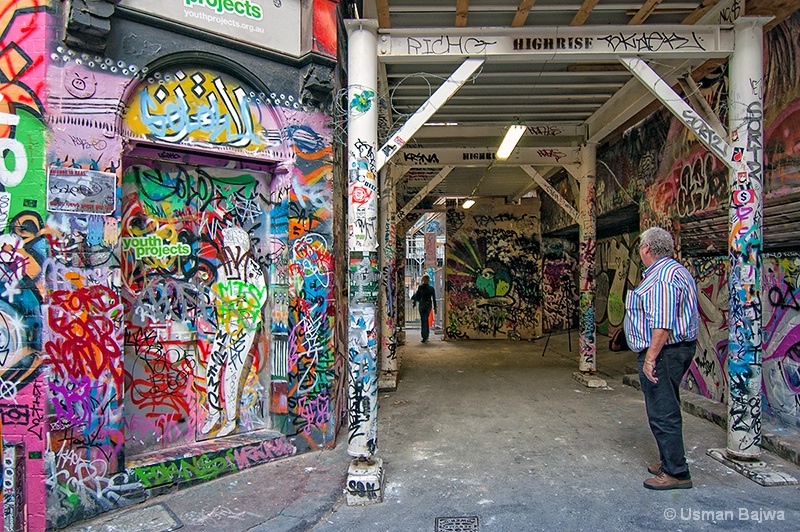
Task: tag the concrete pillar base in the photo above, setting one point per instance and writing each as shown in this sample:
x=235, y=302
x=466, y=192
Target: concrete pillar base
x=365, y=481
x=400, y=337
x=590, y=380
x=387, y=381
x=759, y=471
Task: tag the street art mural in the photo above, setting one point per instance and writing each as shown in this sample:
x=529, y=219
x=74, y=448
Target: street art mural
x=685, y=181
x=560, y=288
x=154, y=303
x=260, y=281
x=618, y=269
x=707, y=374
x=24, y=247
x=494, y=272
x=195, y=294
x=781, y=326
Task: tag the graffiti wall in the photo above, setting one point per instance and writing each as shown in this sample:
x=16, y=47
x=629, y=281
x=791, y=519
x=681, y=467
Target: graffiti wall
x=559, y=285
x=194, y=293
x=24, y=248
x=617, y=270
x=252, y=334
x=494, y=271
x=167, y=276
x=681, y=179
x=781, y=339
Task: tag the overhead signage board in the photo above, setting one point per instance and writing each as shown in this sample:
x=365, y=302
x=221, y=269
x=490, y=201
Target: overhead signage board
x=272, y=24
x=480, y=157
x=583, y=43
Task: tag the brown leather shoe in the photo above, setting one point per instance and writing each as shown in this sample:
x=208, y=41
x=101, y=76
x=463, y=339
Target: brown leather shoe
x=662, y=481
x=654, y=469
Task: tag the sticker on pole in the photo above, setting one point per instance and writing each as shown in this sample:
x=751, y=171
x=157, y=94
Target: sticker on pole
x=743, y=197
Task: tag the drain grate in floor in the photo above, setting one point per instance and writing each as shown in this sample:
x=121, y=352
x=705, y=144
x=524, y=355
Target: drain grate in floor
x=457, y=524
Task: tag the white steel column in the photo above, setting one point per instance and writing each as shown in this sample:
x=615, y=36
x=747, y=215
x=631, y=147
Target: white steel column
x=388, y=352
x=362, y=202
x=588, y=243
x=746, y=124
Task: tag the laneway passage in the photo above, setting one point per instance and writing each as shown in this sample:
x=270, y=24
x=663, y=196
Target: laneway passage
x=498, y=431
x=493, y=430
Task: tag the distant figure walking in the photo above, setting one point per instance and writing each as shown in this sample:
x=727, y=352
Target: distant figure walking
x=426, y=297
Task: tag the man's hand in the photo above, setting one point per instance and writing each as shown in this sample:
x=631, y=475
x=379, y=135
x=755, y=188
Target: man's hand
x=649, y=370
x=659, y=339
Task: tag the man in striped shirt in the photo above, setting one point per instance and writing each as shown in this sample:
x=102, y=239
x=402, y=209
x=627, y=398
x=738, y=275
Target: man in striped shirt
x=661, y=322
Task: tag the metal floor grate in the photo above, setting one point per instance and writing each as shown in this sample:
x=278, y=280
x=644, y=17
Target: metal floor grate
x=456, y=524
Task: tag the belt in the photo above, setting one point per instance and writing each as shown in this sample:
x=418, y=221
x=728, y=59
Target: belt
x=685, y=343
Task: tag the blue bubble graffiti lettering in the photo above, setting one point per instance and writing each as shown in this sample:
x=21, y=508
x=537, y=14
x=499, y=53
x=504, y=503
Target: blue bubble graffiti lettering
x=178, y=121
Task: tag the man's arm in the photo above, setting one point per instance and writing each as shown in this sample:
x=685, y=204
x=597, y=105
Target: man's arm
x=660, y=337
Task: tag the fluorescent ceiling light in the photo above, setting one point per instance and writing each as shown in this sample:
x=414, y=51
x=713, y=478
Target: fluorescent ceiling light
x=513, y=135
x=469, y=202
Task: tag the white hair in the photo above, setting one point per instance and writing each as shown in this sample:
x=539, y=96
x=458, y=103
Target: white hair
x=660, y=242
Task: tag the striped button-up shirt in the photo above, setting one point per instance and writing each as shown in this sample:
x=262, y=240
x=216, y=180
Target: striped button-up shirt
x=665, y=299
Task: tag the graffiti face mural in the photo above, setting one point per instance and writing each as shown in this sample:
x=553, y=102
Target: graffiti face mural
x=494, y=274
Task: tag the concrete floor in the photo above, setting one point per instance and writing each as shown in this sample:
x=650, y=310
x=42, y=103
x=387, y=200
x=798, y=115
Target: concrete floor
x=495, y=430
x=492, y=430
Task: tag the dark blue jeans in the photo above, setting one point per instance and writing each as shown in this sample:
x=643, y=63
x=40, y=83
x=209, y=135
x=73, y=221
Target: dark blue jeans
x=424, y=316
x=663, y=404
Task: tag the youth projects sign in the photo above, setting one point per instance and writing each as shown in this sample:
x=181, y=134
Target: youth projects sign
x=273, y=24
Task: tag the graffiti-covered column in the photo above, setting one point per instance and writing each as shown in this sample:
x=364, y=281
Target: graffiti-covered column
x=388, y=208
x=400, y=282
x=362, y=132
x=746, y=124
x=588, y=242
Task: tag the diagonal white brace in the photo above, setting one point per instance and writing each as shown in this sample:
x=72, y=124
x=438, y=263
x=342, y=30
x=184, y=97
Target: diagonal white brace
x=408, y=207
x=672, y=101
x=552, y=192
x=445, y=91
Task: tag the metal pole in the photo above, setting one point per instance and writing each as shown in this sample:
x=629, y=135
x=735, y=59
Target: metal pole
x=587, y=362
x=746, y=124
x=362, y=202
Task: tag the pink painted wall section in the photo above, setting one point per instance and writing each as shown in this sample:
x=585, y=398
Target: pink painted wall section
x=23, y=60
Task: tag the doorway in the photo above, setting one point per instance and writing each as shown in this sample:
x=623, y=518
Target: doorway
x=425, y=252
x=194, y=265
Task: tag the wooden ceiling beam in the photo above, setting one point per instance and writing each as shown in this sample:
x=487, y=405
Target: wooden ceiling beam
x=462, y=10
x=584, y=12
x=780, y=9
x=383, y=14
x=645, y=11
x=523, y=9
x=700, y=11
